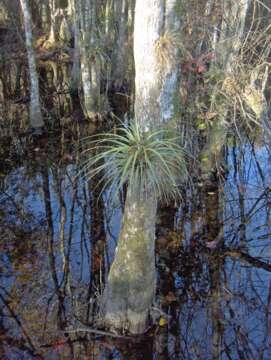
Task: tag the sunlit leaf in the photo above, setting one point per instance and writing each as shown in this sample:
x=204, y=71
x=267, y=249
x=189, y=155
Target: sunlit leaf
x=163, y=321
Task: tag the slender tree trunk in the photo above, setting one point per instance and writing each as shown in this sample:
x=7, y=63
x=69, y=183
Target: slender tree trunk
x=45, y=17
x=36, y=119
x=108, y=14
x=76, y=53
x=216, y=310
x=65, y=34
x=53, y=28
x=121, y=61
x=50, y=241
x=98, y=249
x=85, y=16
x=254, y=97
x=70, y=9
x=90, y=63
x=95, y=60
x=228, y=46
x=171, y=68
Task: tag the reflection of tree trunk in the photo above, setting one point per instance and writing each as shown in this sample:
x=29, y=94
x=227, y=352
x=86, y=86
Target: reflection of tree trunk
x=213, y=229
x=67, y=273
x=166, y=285
x=63, y=219
x=211, y=155
x=216, y=311
x=98, y=248
x=50, y=243
x=241, y=199
x=19, y=323
x=212, y=206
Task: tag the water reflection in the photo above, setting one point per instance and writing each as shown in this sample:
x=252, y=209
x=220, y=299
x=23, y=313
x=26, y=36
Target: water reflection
x=60, y=108
x=213, y=258
x=58, y=236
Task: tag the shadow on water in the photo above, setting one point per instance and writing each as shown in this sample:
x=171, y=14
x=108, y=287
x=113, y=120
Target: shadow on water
x=58, y=237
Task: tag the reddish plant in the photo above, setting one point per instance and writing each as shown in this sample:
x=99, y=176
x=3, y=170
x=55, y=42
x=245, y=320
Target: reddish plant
x=198, y=65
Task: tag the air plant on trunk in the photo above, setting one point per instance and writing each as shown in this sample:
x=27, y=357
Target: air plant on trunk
x=149, y=163
x=166, y=46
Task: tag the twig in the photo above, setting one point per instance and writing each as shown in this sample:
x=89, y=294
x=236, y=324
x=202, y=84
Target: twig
x=265, y=6
x=161, y=312
x=98, y=332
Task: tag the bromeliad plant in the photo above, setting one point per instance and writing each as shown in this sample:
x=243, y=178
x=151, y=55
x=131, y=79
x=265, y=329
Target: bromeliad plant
x=149, y=163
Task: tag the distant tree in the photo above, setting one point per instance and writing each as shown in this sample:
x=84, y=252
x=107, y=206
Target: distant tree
x=36, y=119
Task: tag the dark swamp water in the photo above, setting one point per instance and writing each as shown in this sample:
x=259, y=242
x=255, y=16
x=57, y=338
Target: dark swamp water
x=57, y=241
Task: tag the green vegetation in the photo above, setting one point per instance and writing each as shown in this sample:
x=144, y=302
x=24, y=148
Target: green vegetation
x=149, y=163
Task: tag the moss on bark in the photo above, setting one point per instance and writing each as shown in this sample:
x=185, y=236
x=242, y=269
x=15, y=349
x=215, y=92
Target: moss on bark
x=131, y=284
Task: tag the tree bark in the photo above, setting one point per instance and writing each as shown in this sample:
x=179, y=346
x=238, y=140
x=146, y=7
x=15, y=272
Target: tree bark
x=85, y=16
x=148, y=27
x=131, y=285
x=90, y=62
x=121, y=53
x=227, y=46
x=36, y=119
x=75, y=81
x=52, y=40
x=171, y=69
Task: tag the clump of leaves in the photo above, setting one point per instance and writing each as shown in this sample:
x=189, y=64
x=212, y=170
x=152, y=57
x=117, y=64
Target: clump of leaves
x=149, y=163
x=166, y=46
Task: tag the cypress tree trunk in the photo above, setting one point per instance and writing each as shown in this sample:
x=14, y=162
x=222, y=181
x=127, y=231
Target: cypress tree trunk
x=227, y=46
x=36, y=119
x=120, y=58
x=53, y=37
x=171, y=66
x=95, y=59
x=148, y=26
x=90, y=62
x=85, y=28
x=75, y=81
x=131, y=285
